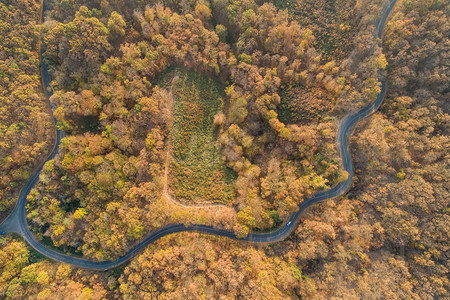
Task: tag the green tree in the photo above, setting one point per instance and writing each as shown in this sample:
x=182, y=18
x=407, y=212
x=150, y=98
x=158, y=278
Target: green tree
x=116, y=26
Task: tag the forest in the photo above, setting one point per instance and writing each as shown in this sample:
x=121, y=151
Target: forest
x=225, y=113
x=25, y=120
x=123, y=118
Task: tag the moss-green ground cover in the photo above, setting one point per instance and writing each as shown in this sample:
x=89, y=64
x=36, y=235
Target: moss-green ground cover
x=197, y=173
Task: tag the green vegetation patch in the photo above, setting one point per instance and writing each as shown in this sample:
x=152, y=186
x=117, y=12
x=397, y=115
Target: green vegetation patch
x=197, y=171
x=300, y=104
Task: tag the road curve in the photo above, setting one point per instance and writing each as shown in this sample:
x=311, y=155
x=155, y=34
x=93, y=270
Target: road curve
x=16, y=221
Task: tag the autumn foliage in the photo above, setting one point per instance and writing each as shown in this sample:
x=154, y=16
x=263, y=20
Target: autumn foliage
x=241, y=100
x=25, y=125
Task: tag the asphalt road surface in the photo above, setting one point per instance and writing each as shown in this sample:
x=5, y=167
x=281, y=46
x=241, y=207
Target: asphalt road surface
x=16, y=221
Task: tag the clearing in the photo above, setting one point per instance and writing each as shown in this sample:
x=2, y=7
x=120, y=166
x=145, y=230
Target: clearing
x=197, y=173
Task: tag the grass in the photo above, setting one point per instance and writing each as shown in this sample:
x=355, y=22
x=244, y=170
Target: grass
x=301, y=104
x=197, y=173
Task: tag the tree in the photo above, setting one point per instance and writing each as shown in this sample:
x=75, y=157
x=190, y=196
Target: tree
x=203, y=12
x=116, y=26
x=221, y=32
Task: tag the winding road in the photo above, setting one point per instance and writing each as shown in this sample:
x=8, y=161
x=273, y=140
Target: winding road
x=16, y=221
